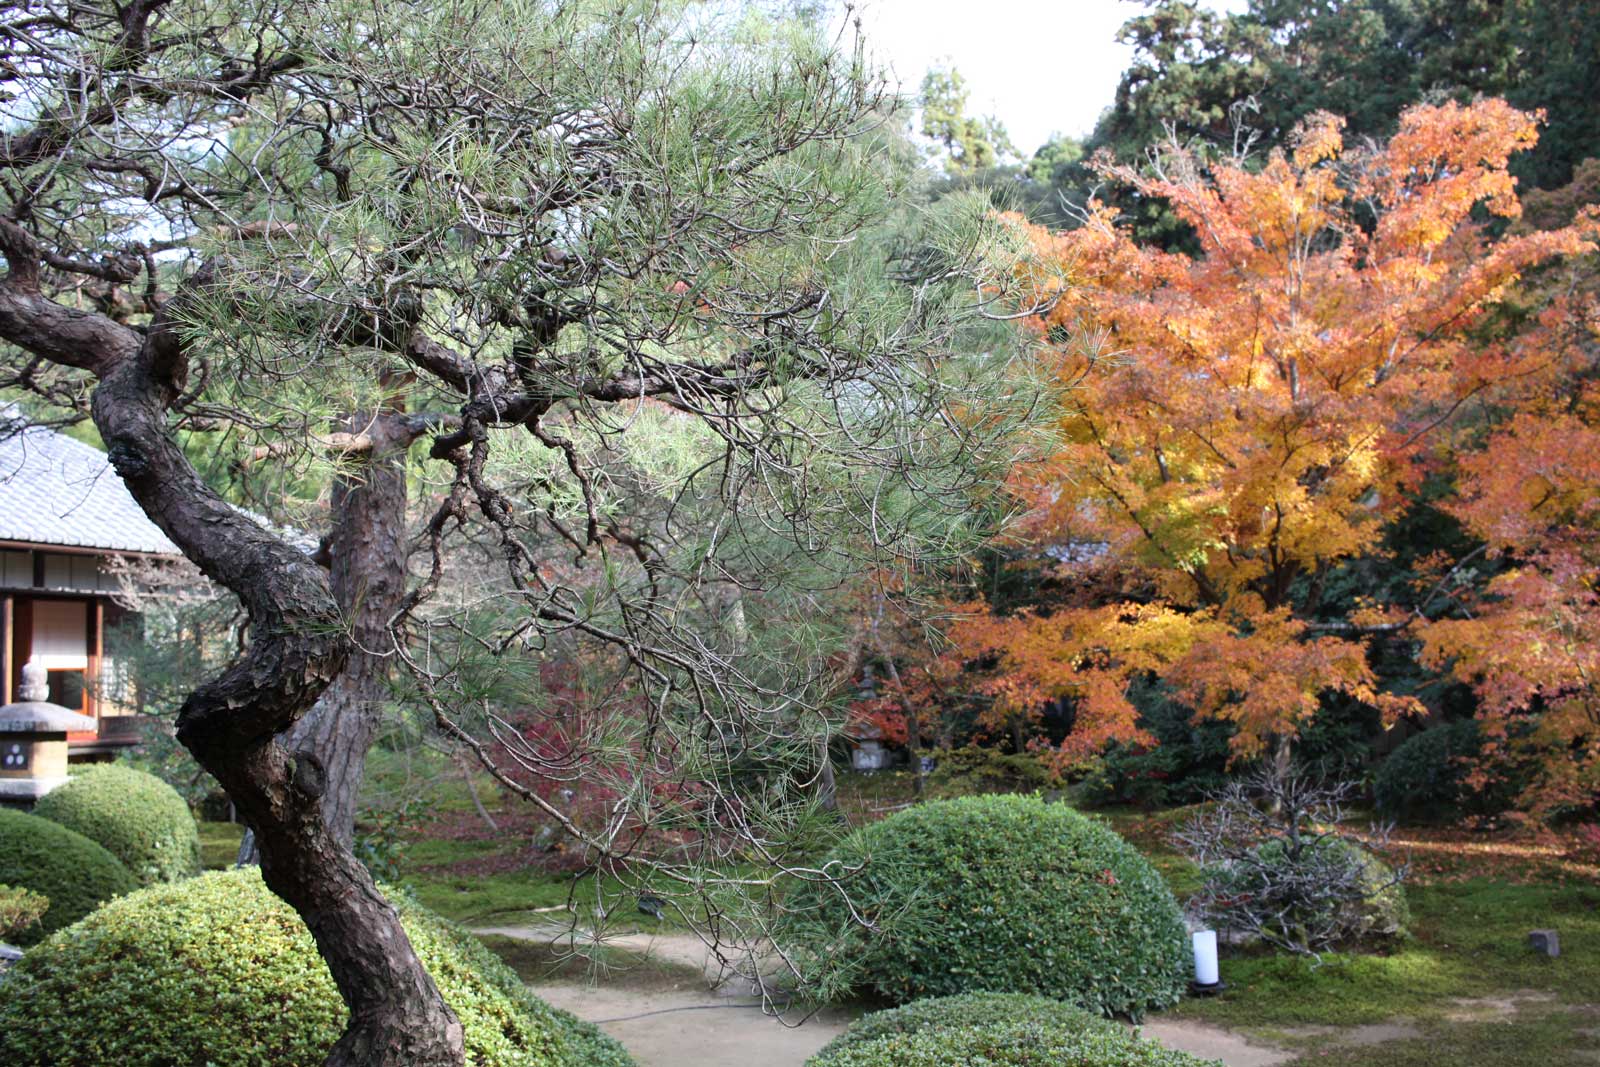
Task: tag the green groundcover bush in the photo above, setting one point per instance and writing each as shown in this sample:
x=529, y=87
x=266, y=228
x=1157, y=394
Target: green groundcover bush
x=73, y=872
x=1380, y=914
x=999, y=894
x=217, y=970
x=1022, y=1043
x=966, y=1010
x=1426, y=777
x=139, y=819
x=20, y=910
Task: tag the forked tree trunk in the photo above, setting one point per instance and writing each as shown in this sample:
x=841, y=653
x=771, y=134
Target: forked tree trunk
x=233, y=723
x=913, y=724
x=907, y=707
x=1280, y=765
x=827, y=785
x=368, y=574
x=366, y=556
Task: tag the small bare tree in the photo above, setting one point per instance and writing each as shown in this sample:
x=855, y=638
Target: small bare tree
x=1279, y=869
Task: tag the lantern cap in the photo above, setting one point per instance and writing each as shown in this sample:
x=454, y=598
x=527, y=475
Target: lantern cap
x=33, y=714
x=40, y=717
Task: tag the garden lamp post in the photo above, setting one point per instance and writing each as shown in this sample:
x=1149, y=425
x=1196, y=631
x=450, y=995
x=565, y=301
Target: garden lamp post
x=1207, y=981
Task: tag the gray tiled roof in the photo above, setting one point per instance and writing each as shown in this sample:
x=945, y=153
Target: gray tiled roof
x=58, y=491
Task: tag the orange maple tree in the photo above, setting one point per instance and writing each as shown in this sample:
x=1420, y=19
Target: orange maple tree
x=1246, y=419
x=1529, y=641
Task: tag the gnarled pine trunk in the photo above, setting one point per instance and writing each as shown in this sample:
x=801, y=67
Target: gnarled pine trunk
x=234, y=724
x=366, y=557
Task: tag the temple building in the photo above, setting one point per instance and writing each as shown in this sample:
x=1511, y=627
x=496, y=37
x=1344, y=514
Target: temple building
x=65, y=516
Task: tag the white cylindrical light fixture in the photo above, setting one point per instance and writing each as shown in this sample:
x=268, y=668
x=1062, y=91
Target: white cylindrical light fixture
x=1205, y=957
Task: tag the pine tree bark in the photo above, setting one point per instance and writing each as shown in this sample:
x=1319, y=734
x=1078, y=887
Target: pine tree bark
x=235, y=724
x=367, y=571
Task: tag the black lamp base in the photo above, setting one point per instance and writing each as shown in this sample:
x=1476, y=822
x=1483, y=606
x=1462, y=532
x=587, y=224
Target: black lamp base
x=1198, y=990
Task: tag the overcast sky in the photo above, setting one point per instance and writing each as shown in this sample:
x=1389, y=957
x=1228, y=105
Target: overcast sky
x=1040, y=66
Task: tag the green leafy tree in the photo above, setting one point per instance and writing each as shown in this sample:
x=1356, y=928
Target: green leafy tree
x=1190, y=65
x=1364, y=59
x=970, y=143
x=1056, y=161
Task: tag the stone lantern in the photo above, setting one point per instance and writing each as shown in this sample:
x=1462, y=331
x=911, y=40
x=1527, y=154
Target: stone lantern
x=33, y=741
x=867, y=752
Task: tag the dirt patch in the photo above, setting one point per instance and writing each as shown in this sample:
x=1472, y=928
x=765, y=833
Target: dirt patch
x=1511, y=854
x=682, y=953
x=556, y=858
x=510, y=824
x=1317, y=1037
x=528, y=859
x=1213, y=1042
x=1501, y=1009
x=542, y=963
x=688, y=1014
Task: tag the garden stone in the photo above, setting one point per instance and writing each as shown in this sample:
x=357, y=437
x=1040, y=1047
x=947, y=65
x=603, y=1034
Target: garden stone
x=1545, y=941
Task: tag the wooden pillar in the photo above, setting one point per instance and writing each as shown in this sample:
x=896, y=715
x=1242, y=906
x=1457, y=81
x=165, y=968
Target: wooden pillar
x=7, y=633
x=94, y=619
x=19, y=648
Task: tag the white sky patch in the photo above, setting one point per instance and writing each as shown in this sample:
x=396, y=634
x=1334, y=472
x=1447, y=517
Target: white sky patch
x=1040, y=66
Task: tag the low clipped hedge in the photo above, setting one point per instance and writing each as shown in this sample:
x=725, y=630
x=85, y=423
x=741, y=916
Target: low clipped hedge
x=966, y=1010
x=1021, y=1043
x=967, y=771
x=139, y=819
x=1426, y=777
x=217, y=970
x=73, y=872
x=998, y=894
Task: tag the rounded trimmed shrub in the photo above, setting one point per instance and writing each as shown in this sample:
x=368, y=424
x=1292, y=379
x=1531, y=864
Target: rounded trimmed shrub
x=1426, y=777
x=218, y=970
x=75, y=873
x=966, y=1010
x=139, y=819
x=1023, y=1043
x=998, y=894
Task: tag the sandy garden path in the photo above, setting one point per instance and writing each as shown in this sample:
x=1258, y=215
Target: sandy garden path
x=704, y=1024
x=695, y=1028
